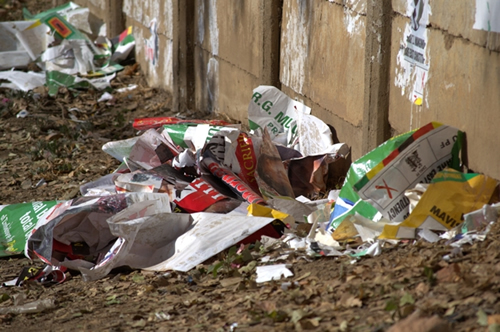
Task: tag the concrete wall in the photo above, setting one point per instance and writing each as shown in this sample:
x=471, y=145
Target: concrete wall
x=328, y=54
x=343, y=58
x=210, y=54
x=463, y=86
x=153, y=28
x=236, y=49
x=322, y=62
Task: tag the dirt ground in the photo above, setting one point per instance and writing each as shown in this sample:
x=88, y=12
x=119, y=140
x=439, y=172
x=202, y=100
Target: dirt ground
x=55, y=149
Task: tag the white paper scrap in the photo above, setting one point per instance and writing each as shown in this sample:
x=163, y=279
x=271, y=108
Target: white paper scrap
x=273, y=272
x=374, y=250
x=487, y=14
x=272, y=109
x=21, y=80
x=211, y=234
x=120, y=149
x=129, y=88
x=314, y=135
x=325, y=238
x=429, y=235
x=105, y=97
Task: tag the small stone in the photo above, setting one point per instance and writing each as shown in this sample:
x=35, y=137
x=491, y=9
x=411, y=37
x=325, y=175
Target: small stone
x=26, y=184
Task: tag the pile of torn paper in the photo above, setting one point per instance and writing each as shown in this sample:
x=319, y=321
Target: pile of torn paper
x=411, y=187
x=186, y=190
x=69, y=49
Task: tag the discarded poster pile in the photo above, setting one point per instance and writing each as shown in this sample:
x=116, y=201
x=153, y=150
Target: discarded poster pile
x=186, y=190
x=67, y=48
x=189, y=189
x=409, y=187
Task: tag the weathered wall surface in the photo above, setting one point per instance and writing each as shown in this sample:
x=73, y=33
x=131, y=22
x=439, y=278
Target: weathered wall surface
x=236, y=50
x=463, y=84
x=322, y=62
x=370, y=68
x=153, y=28
x=152, y=22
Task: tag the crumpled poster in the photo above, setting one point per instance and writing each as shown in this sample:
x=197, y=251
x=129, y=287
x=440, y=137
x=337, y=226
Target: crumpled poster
x=450, y=195
x=78, y=228
x=272, y=109
x=270, y=173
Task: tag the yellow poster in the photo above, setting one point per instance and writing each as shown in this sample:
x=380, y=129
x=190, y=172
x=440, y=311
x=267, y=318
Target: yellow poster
x=450, y=195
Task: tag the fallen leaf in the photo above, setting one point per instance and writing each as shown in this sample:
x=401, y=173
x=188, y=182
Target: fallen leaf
x=310, y=324
x=139, y=323
x=248, y=268
x=422, y=289
x=137, y=278
x=229, y=282
x=302, y=277
x=494, y=319
x=278, y=316
x=391, y=305
x=417, y=322
x=26, y=184
x=482, y=318
x=406, y=299
x=110, y=300
x=450, y=311
x=4, y=297
x=297, y=315
x=350, y=278
x=450, y=273
x=53, y=136
x=406, y=310
x=472, y=300
x=494, y=328
x=268, y=306
x=352, y=302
